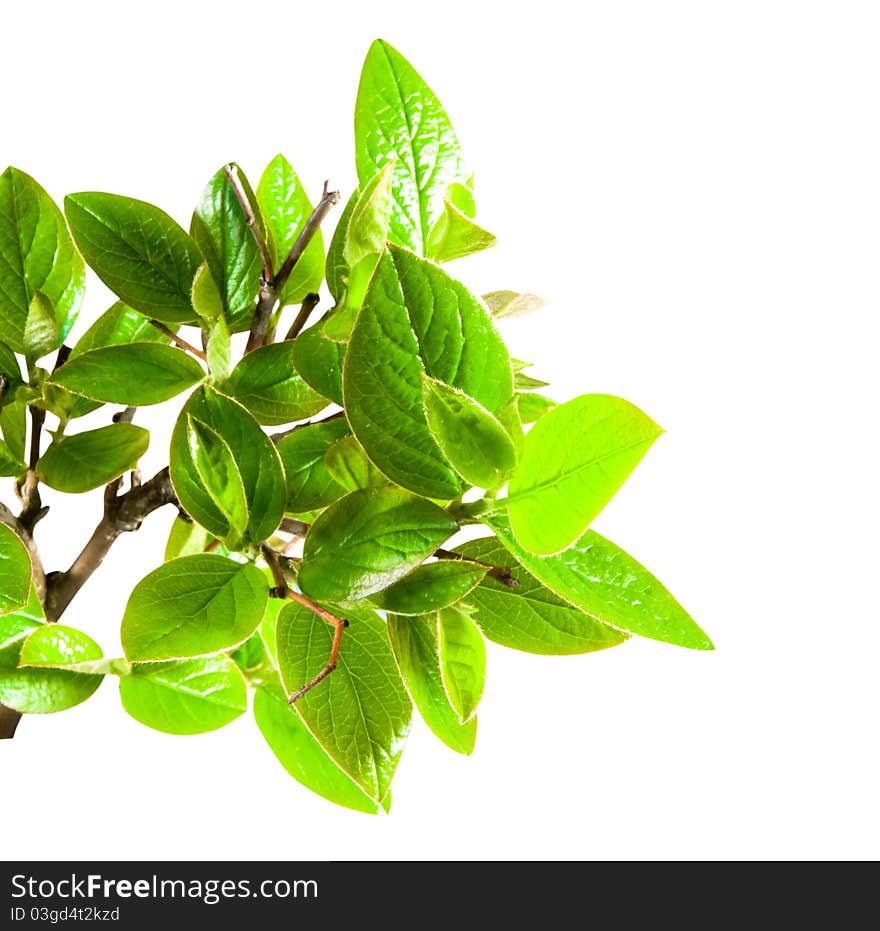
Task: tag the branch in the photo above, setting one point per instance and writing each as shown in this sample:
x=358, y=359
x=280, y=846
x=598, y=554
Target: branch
x=310, y=302
x=179, y=341
x=122, y=514
x=328, y=199
x=245, y=204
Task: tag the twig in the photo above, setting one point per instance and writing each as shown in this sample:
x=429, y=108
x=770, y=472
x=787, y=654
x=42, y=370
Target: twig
x=179, y=341
x=125, y=416
x=278, y=437
x=38, y=418
x=310, y=302
x=245, y=204
x=328, y=199
x=500, y=573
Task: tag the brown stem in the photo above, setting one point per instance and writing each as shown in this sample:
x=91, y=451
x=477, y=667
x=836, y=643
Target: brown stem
x=310, y=302
x=179, y=341
x=38, y=418
x=248, y=210
x=8, y=722
x=501, y=573
x=125, y=416
x=328, y=199
x=298, y=528
x=262, y=315
x=122, y=513
x=278, y=437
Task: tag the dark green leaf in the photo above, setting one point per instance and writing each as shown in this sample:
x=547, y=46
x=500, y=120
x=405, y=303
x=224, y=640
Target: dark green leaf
x=9, y=367
x=267, y=383
x=360, y=714
x=368, y=540
x=88, y=460
x=193, y=606
x=337, y=267
x=608, y=584
x=15, y=571
x=532, y=407
x=415, y=644
x=574, y=460
x=319, y=360
x=430, y=587
x=462, y=652
x=348, y=464
x=417, y=319
x=530, y=617
x=36, y=254
x=397, y=116
x=138, y=251
x=135, y=374
x=255, y=458
x=511, y=303
x=286, y=207
x=189, y=696
x=220, y=229
x=300, y=753
x=309, y=483
x=473, y=441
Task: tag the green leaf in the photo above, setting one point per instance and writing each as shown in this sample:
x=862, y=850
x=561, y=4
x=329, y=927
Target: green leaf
x=286, y=208
x=462, y=653
x=193, y=606
x=511, y=303
x=430, y=587
x=220, y=230
x=416, y=319
x=416, y=649
x=41, y=332
x=138, y=251
x=368, y=227
x=186, y=538
x=398, y=116
x=189, y=696
x=9, y=367
x=336, y=266
x=253, y=453
x=532, y=407
x=319, y=360
x=13, y=424
x=253, y=659
x=456, y=235
x=34, y=690
x=219, y=476
x=116, y=327
x=206, y=299
x=10, y=464
x=608, y=584
x=88, y=460
x=36, y=254
x=473, y=441
x=360, y=713
x=574, y=460
x=267, y=383
x=300, y=753
x=309, y=482
x=18, y=624
x=219, y=351
x=368, y=540
x=530, y=617
x=135, y=374
x=15, y=571
x=522, y=382
x=349, y=466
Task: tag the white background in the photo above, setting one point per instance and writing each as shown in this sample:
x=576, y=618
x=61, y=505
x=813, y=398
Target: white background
x=695, y=188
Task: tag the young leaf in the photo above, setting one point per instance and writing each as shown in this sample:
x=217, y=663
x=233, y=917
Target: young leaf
x=523, y=382
x=15, y=571
x=462, y=654
x=88, y=460
x=511, y=303
x=608, y=584
x=319, y=360
x=348, y=464
x=267, y=383
x=255, y=458
x=193, y=606
x=116, y=327
x=219, y=351
x=416, y=649
x=398, y=116
x=37, y=255
x=138, y=251
x=34, y=690
x=136, y=374
x=188, y=696
x=220, y=230
x=309, y=482
x=476, y=445
x=336, y=266
x=286, y=207
x=41, y=332
x=368, y=540
x=368, y=226
x=530, y=617
x=430, y=587
x=205, y=296
x=574, y=460
x=456, y=235
x=187, y=538
x=532, y=407
x=299, y=752
x=416, y=319
x=360, y=714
